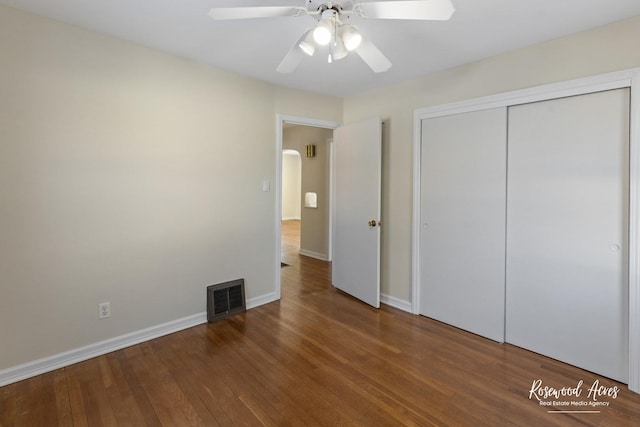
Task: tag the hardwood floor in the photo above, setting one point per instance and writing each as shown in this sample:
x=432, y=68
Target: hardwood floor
x=317, y=357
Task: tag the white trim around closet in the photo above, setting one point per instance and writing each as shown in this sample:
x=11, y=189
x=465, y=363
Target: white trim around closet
x=627, y=78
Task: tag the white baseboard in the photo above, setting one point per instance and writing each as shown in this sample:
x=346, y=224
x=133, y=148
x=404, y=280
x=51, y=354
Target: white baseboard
x=57, y=361
x=316, y=255
x=261, y=300
x=396, y=303
x=291, y=218
x=47, y=364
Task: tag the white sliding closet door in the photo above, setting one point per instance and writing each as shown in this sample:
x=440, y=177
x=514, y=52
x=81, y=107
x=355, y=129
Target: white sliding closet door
x=463, y=190
x=567, y=214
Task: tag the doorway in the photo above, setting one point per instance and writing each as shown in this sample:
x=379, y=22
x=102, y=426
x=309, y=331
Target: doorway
x=291, y=205
x=305, y=186
x=310, y=234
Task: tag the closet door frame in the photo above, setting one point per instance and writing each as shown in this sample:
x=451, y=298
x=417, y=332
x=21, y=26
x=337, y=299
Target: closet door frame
x=622, y=79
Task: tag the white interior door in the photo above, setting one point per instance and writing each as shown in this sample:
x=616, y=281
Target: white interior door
x=567, y=251
x=463, y=202
x=357, y=181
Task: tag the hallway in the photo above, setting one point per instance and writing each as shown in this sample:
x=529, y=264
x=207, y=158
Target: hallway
x=305, y=275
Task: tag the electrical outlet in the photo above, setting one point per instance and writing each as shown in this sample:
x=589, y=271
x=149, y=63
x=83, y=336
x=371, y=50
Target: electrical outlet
x=104, y=310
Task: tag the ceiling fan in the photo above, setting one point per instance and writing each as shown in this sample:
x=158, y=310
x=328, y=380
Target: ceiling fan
x=331, y=29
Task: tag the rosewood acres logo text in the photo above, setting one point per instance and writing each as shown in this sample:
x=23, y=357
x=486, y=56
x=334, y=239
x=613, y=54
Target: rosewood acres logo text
x=573, y=399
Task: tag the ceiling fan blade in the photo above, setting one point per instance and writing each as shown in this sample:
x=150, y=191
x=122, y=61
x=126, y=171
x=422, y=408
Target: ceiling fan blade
x=372, y=56
x=223, y=13
x=293, y=58
x=436, y=10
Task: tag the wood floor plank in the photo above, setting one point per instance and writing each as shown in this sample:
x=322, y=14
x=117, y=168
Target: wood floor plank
x=130, y=389
x=61, y=392
x=8, y=397
x=88, y=394
x=317, y=357
x=36, y=402
x=126, y=408
x=276, y=381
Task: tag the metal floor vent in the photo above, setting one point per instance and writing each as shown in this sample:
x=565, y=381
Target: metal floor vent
x=225, y=299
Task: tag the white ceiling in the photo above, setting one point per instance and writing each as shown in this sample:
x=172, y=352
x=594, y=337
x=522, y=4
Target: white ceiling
x=478, y=29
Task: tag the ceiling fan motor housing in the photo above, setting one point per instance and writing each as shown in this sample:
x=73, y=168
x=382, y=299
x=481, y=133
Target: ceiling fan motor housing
x=321, y=5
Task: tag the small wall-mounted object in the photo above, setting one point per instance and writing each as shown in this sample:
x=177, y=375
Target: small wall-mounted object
x=311, y=150
x=225, y=299
x=311, y=200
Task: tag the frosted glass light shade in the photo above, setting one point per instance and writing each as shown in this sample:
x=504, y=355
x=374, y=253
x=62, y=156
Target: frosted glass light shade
x=351, y=37
x=338, y=50
x=322, y=33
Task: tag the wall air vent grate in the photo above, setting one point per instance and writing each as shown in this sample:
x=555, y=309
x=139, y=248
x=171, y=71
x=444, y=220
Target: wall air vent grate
x=225, y=299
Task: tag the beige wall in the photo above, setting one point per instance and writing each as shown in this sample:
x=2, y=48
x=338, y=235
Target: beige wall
x=605, y=49
x=291, y=184
x=314, y=231
x=130, y=176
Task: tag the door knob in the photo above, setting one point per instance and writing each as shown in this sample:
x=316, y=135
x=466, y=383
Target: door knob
x=374, y=223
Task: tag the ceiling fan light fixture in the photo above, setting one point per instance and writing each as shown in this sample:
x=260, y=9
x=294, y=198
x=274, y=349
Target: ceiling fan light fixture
x=351, y=37
x=331, y=32
x=323, y=32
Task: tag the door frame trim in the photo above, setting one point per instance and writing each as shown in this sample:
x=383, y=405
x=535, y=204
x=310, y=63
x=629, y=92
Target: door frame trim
x=621, y=79
x=302, y=121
